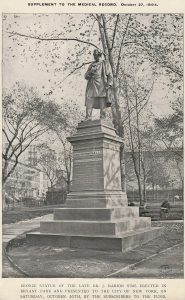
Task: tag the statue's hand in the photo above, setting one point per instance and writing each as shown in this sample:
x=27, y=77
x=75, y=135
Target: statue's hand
x=107, y=86
x=87, y=76
x=93, y=69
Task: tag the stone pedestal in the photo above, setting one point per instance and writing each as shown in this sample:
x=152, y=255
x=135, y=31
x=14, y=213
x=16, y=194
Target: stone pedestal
x=97, y=215
x=96, y=166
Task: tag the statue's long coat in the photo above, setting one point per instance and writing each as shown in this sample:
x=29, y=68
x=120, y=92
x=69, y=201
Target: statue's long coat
x=98, y=76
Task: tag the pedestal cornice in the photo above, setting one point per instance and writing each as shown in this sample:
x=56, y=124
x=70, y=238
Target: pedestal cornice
x=96, y=129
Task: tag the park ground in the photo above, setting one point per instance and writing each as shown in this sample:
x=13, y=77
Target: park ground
x=152, y=260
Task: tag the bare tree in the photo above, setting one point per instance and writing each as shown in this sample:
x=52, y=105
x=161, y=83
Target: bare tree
x=169, y=134
x=65, y=161
x=47, y=162
x=136, y=89
x=71, y=112
x=22, y=110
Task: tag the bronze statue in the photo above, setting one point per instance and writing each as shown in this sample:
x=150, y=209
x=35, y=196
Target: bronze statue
x=98, y=86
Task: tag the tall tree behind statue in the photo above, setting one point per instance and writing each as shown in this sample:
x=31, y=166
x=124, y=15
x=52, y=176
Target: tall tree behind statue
x=154, y=37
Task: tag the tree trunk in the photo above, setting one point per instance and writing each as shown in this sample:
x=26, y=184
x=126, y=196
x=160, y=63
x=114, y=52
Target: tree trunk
x=144, y=177
x=140, y=189
x=68, y=185
x=116, y=113
x=122, y=168
x=3, y=198
x=5, y=172
x=138, y=176
x=180, y=174
x=153, y=190
x=117, y=121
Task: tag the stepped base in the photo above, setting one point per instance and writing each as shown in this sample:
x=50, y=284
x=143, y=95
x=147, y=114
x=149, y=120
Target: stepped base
x=122, y=242
x=94, y=227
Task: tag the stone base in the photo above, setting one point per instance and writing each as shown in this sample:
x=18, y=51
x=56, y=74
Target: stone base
x=108, y=229
x=121, y=243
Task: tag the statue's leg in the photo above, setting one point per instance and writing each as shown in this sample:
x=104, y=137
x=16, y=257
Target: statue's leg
x=88, y=113
x=89, y=109
x=102, y=108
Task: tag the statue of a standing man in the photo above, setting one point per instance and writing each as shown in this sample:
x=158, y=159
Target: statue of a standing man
x=99, y=82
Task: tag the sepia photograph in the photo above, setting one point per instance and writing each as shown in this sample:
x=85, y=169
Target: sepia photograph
x=92, y=146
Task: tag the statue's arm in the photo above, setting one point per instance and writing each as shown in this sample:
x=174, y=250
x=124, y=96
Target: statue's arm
x=88, y=74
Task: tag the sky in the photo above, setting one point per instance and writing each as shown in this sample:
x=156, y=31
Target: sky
x=28, y=61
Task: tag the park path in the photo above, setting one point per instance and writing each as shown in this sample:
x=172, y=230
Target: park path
x=162, y=264
x=11, y=231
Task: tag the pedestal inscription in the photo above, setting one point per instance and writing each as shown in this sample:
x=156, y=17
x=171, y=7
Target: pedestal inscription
x=96, y=165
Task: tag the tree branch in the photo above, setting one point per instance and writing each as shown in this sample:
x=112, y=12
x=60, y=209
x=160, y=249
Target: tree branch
x=119, y=55
x=163, y=63
x=74, y=70
x=105, y=33
x=115, y=29
x=52, y=39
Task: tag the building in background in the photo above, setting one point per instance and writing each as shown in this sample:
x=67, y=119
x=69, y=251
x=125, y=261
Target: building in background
x=26, y=182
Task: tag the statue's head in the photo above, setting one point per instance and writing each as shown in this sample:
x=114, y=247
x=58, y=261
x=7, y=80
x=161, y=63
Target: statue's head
x=97, y=53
